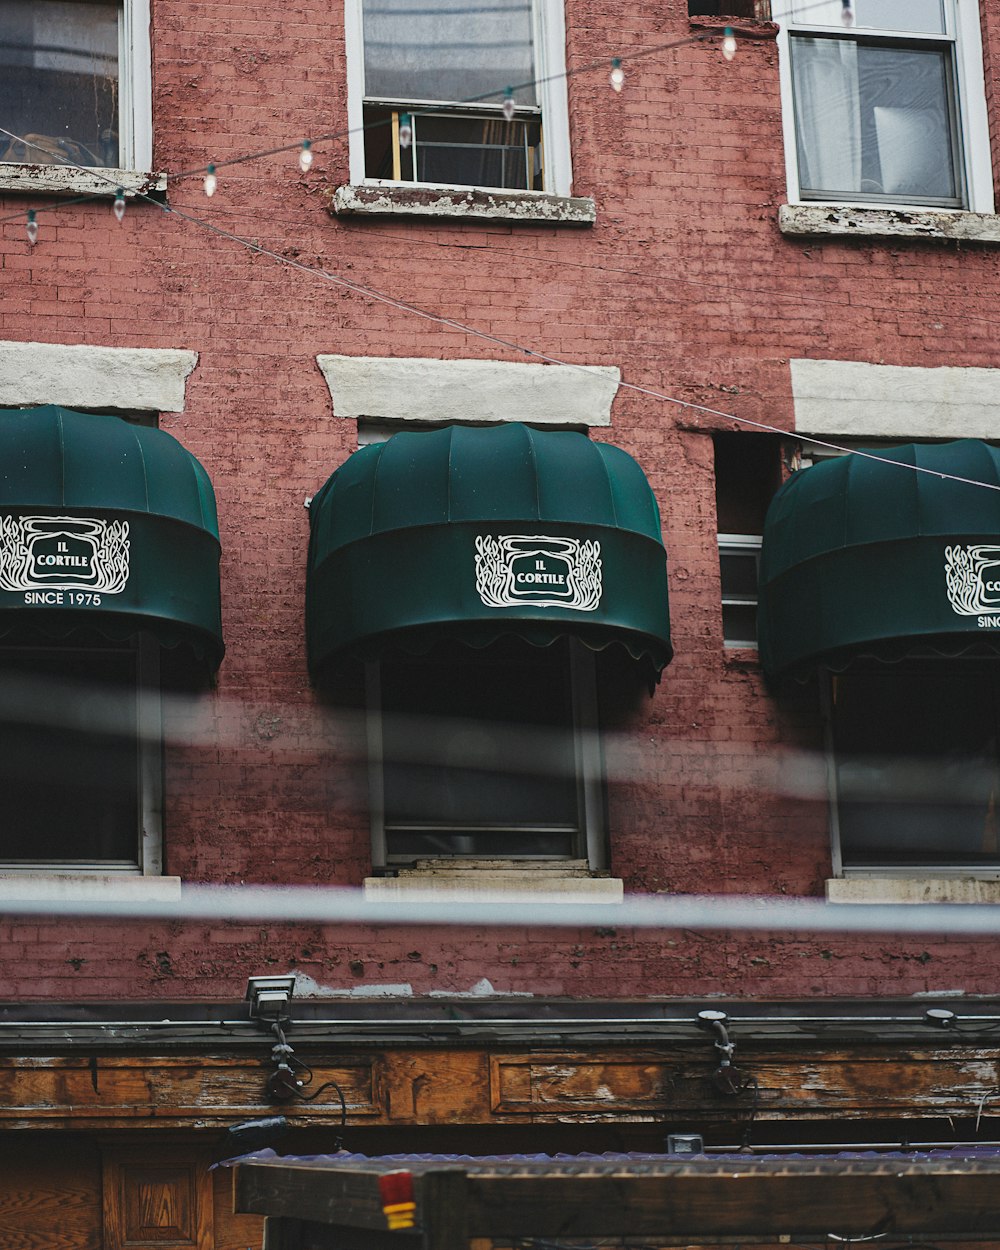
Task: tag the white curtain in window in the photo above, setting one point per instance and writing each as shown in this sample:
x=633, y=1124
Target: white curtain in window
x=827, y=114
x=448, y=50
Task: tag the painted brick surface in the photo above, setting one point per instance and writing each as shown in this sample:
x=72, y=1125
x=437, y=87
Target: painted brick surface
x=684, y=282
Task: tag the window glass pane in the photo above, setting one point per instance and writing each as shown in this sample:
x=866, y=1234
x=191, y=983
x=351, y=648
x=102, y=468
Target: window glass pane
x=921, y=16
x=739, y=624
x=448, y=49
x=477, y=152
x=59, y=82
x=479, y=754
x=69, y=762
x=739, y=573
x=918, y=16
x=916, y=758
x=873, y=121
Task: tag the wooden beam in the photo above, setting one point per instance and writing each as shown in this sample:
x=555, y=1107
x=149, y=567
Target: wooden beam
x=481, y=1086
x=843, y=1203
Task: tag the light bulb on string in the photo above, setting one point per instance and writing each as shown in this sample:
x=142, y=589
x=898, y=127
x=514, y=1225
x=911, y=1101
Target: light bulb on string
x=32, y=227
x=847, y=13
x=211, y=182
x=306, y=156
x=405, y=130
x=617, y=75
x=118, y=207
x=728, y=43
x=508, y=103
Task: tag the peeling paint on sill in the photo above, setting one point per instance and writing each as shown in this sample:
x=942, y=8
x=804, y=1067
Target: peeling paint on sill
x=805, y=220
x=402, y=201
x=63, y=180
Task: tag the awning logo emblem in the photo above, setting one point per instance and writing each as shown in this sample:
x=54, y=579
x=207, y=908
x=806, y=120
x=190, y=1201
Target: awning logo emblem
x=513, y=570
x=972, y=578
x=63, y=553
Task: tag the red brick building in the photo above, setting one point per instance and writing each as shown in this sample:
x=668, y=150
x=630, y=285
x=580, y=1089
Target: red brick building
x=734, y=272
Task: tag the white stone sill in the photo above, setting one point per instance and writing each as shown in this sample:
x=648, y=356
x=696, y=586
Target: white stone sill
x=807, y=220
x=395, y=200
x=497, y=881
x=51, y=887
x=913, y=890
x=64, y=180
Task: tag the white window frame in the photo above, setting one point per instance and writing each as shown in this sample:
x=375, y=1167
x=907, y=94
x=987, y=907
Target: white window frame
x=587, y=752
x=972, y=120
x=148, y=860
x=135, y=123
x=739, y=544
x=549, y=28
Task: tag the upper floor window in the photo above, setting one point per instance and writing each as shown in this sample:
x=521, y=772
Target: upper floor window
x=75, y=84
x=890, y=110
x=428, y=86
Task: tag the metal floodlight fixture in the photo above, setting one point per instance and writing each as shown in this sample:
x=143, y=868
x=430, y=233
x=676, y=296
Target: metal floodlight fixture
x=685, y=1144
x=269, y=997
x=940, y=1018
x=709, y=1019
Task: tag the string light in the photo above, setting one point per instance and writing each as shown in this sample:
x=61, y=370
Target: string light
x=508, y=103
x=118, y=206
x=32, y=227
x=847, y=13
x=728, y=43
x=617, y=75
x=306, y=156
x=405, y=130
x=211, y=182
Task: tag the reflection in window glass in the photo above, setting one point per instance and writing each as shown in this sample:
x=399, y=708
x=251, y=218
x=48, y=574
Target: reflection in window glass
x=451, y=50
x=874, y=122
x=59, y=82
x=917, y=765
x=479, y=754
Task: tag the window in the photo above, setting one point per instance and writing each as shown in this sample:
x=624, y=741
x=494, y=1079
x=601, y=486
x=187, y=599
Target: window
x=79, y=756
x=747, y=473
x=890, y=110
x=486, y=753
x=916, y=766
x=440, y=72
x=75, y=83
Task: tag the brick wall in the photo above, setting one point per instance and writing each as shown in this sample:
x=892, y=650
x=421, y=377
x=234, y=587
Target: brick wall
x=684, y=282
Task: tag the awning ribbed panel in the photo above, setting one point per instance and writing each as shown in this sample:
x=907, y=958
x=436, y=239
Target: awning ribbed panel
x=879, y=554
x=469, y=534
x=108, y=526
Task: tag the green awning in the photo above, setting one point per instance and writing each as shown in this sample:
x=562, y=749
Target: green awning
x=861, y=556
x=470, y=534
x=106, y=525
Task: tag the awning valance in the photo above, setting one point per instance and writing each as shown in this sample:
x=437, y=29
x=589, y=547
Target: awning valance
x=863, y=556
x=470, y=534
x=106, y=525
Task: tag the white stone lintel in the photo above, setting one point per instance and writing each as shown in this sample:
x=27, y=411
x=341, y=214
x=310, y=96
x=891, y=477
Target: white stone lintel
x=855, y=399
x=397, y=388
x=128, y=379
